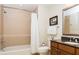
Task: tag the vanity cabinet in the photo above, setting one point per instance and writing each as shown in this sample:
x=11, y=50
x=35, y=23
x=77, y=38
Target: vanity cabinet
x=62, y=49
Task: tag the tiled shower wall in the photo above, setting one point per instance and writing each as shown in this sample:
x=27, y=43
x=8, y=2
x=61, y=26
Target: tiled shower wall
x=16, y=27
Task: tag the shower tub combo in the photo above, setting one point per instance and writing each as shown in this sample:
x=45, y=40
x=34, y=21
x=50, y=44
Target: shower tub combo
x=14, y=31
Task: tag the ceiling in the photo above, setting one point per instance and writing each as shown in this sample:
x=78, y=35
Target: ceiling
x=27, y=7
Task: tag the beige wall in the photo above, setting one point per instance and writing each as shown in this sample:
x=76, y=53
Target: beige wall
x=17, y=27
x=56, y=9
x=44, y=13
x=43, y=17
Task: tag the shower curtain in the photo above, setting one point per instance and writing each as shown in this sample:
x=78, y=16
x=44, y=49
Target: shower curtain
x=34, y=33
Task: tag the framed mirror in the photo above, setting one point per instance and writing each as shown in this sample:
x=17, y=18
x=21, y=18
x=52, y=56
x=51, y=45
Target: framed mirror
x=71, y=21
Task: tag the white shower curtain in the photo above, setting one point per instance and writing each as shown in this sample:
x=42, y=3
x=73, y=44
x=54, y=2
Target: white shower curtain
x=34, y=33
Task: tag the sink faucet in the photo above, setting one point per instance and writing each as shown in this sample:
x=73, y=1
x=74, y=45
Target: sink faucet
x=76, y=40
x=72, y=39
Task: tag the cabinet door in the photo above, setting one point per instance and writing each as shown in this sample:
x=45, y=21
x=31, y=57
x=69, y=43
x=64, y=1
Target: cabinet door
x=53, y=51
x=77, y=51
x=67, y=48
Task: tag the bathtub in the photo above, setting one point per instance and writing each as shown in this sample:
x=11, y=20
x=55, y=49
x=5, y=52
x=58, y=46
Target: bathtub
x=16, y=50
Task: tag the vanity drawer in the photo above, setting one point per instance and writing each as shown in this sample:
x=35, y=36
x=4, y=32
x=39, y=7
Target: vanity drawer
x=65, y=53
x=66, y=48
x=54, y=44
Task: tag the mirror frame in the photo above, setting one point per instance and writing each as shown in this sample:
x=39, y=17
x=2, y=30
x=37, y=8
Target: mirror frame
x=63, y=21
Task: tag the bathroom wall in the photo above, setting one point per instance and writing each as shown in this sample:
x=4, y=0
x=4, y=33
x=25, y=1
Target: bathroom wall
x=44, y=13
x=43, y=17
x=17, y=27
x=56, y=9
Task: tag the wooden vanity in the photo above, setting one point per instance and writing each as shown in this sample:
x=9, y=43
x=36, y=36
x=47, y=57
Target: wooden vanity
x=60, y=48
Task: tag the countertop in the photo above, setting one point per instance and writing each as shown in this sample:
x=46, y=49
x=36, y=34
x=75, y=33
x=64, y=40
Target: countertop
x=73, y=45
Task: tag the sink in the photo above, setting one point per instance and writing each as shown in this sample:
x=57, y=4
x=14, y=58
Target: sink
x=72, y=43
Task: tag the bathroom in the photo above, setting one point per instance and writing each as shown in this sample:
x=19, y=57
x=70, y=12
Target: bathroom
x=25, y=28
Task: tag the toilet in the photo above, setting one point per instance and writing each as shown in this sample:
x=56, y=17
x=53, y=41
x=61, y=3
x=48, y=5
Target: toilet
x=43, y=50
